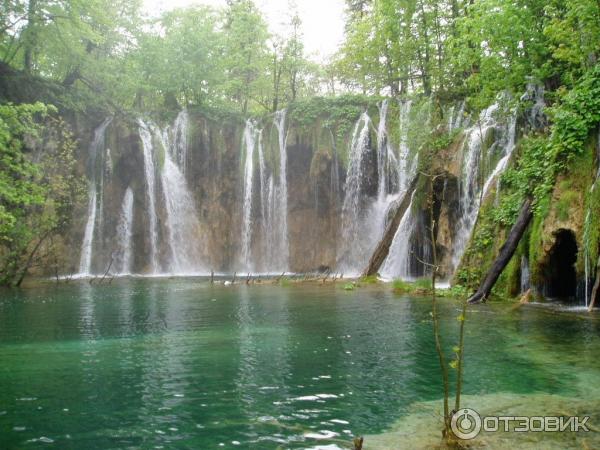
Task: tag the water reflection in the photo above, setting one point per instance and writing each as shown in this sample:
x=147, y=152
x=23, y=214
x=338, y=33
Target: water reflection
x=183, y=364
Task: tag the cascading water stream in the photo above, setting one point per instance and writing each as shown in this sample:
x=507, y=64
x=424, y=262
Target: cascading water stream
x=179, y=135
x=525, y=276
x=382, y=152
x=97, y=145
x=125, y=233
x=353, y=209
x=404, y=150
x=249, y=143
x=183, y=227
x=398, y=263
x=282, y=261
x=470, y=190
x=181, y=220
x=150, y=178
x=507, y=150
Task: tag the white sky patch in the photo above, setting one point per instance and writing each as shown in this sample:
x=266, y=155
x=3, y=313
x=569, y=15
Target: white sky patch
x=322, y=20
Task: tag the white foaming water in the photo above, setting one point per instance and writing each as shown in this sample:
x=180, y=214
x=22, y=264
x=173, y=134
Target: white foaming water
x=353, y=209
x=181, y=220
x=507, y=150
x=150, y=177
x=397, y=264
x=525, y=277
x=179, y=137
x=125, y=233
x=250, y=135
x=470, y=190
x=97, y=145
x=281, y=262
x=382, y=152
x=404, y=151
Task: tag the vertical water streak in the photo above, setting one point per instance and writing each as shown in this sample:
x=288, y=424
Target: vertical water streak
x=249, y=142
x=263, y=180
x=125, y=233
x=270, y=219
x=507, y=147
x=404, y=151
x=398, y=263
x=179, y=137
x=458, y=118
x=470, y=187
x=182, y=222
x=150, y=177
x=353, y=208
x=382, y=152
x=97, y=144
x=335, y=173
x=525, y=277
x=282, y=194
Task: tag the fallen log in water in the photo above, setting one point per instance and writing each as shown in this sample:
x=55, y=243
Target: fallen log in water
x=506, y=253
x=383, y=248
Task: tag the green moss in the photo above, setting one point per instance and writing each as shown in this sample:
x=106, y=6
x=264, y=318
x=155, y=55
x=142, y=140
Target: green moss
x=567, y=200
x=401, y=287
x=371, y=279
x=420, y=286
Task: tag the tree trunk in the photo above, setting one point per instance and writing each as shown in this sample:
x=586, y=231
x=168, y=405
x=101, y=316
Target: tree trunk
x=383, y=248
x=30, y=259
x=30, y=36
x=506, y=253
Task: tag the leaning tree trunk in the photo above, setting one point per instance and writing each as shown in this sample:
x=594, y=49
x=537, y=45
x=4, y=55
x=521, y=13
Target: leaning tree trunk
x=383, y=248
x=506, y=253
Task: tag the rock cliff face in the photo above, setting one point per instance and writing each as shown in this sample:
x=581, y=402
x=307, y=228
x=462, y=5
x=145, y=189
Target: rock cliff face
x=219, y=182
x=214, y=176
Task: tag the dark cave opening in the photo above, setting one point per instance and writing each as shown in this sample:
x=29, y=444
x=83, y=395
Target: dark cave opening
x=561, y=281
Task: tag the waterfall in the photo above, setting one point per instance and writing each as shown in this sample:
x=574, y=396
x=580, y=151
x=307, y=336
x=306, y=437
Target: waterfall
x=382, y=152
x=249, y=142
x=352, y=209
x=263, y=185
x=398, y=263
x=507, y=148
x=183, y=227
x=97, y=145
x=470, y=192
x=125, y=232
x=282, y=262
x=525, y=277
x=149, y=172
x=180, y=216
x=181, y=219
x=335, y=172
x=179, y=133
x=270, y=255
x=455, y=117
x=404, y=151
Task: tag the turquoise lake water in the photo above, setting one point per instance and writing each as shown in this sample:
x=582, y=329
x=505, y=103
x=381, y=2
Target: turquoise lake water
x=148, y=363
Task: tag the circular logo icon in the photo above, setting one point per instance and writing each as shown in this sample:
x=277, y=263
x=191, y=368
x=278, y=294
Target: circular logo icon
x=466, y=424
